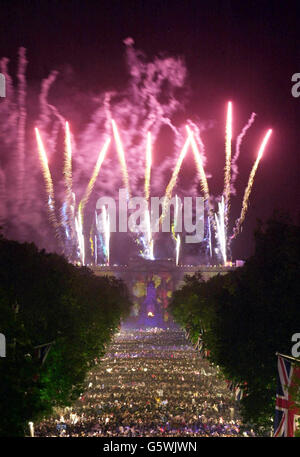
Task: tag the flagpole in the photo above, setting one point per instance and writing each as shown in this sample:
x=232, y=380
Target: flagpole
x=288, y=357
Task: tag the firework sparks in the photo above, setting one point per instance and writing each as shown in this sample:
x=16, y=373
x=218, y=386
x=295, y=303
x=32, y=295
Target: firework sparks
x=103, y=228
x=84, y=200
x=228, y=139
x=174, y=225
x=64, y=220
x=172, y=182
x=176, y=212
x=177, y=168
x=96, y=249
x=221, y=230
x=147, y=241
x=150, y=243
x=148, y=167
x=175, y=237
x=106, y=227
x=202, y=175
x=22, y=119
x=48, y=182
x=80, y=238
x=250, y=183
x=67, y=211
x=178, y=242
x=92, y=181
x=92, y=240
x=199, y=165
x=68, y=164
x=209, y=237
x=239, y=141
x=92, y=245
x=218, y=221
x=121, y=155
x=143, y=128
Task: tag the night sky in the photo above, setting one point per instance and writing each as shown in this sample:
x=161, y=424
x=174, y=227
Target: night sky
x=244, y=51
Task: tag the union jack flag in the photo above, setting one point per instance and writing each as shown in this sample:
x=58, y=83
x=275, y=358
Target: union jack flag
x=286, y=414
x=239, y=393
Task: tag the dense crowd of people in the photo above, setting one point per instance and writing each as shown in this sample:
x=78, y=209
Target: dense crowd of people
x=151, y=382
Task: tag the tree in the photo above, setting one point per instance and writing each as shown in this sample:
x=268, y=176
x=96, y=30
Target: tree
x=250, y=314
x=45, y=299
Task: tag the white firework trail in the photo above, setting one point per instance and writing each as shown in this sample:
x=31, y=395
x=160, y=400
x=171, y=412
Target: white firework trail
x=209, y=237
x=106, y=226
x=96, y=250
x=239, y=141
x=227, y=173
x=150, y=243
x=221, y=230
x=80, y=238
x=21, y=122
x=178, y=242
x=47, y=111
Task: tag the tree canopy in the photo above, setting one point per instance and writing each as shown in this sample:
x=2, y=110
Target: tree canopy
x=44, y=299
x=245, y=316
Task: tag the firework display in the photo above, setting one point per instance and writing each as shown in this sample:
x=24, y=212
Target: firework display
x=48, y=181
x=250, y=183
x=227, y=174
x=128, y=133
x=219, y=223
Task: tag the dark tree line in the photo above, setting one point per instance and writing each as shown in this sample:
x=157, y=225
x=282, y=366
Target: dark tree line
x=246, y=316
x=45, y=299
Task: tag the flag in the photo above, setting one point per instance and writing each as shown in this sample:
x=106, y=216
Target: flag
x=286, y=413
x=239, y=393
